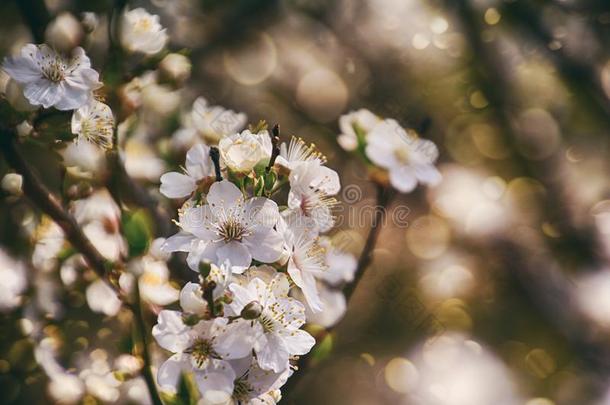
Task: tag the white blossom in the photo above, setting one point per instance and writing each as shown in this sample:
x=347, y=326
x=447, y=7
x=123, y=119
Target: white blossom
x=230, y=228
x=408, y=159
x=94, y=122
x=12, y=183
x=142, y=32
x=198, y=167
x=213, y=122
x=202, y=348
x=354, y=126
x=14, y=282
x=244, y=151
x=52, y=80
x=297, y=152
x=101, y=298
x=276, y=330
x=305, y=261
x=311, y=189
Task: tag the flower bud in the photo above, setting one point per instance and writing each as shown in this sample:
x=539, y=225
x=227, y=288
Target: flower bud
x=175, y=67
x=64, y=33
x=252, y=311
x=89, y=21
x=24, y=129
x=14, y=95
x=12, y=183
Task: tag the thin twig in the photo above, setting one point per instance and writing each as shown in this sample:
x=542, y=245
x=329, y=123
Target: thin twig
x=141, y=335
x=384, y=197
x=37, y=192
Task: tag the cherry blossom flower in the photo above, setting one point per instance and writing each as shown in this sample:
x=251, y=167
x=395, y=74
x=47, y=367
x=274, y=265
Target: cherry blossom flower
x=305, y=261
x=214, y=122
x=229, y=228
x=202, y=348
x=276, y=329
x=408, y=159
x=198, y=167
x=142, y=32
x=354, y=127
x=311, y=189
x=13, y=283
x=242, y=152
x=51, y=80
x=297, y=152
x=94, y=122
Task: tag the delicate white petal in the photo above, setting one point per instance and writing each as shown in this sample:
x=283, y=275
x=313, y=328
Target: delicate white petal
x=236, y=254
x=177, y=185
x=403, y=178
x=170, y=371
x=298, y=342
x=171, y=333
x=191, y=299
x=224, y=194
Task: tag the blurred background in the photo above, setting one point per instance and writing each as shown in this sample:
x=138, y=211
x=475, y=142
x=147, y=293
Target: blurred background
x=491, y=288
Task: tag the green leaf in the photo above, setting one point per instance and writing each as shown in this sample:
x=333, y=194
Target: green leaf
x=137, y=228
x=323, y=349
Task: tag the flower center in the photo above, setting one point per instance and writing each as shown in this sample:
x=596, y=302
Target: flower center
x=143, y=25
x=203, y=350
x=54, y=70
x=402, y=154
x=232, y=229
x=241, y=390
x=267, y=323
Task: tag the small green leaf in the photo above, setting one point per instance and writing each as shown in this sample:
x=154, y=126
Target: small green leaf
x=137, y=228
x=323, y=349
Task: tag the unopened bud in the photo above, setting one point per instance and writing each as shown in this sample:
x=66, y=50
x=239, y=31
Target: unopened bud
x=175, y=67
x=24, y=129
x=89, y=21
x=64, y=33
x=252, y=311
x=12, y=183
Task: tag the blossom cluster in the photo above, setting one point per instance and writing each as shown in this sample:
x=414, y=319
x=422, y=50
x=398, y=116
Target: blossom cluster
x=384, y=143
x=262, y=269
x=254, y=215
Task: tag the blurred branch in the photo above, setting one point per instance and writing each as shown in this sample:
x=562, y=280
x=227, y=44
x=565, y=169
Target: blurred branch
x=126, y=189
x=42, y=198
x=140, y=329
x=542, y=279
x=538, y=281
x=36, y=16
x=490, y=73
x=581, y=76
x=384, y=197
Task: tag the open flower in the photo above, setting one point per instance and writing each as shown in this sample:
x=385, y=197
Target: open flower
x=297, y=152
x=242, y=152
x=202, y=348
x=51, y=80
x=230, y=228
x=198, y=166
x=94, y=123
x=142, y=32
x=214, y=122
x=276, y=329
x=408, y=159
x=354, y=128
x=311, y=189
x=305, y=261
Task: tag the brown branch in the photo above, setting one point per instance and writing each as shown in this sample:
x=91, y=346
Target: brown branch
x=42, y=198
x=384, y=197
x=139, y=329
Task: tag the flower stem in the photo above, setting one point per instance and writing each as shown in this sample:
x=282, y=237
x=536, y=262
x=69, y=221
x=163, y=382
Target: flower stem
x=384, y=197
x=141, y=337
x=42, y=198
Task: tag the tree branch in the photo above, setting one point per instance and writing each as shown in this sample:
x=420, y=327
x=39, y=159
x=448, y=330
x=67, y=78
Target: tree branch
x=42, y=198
x=384, y=197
